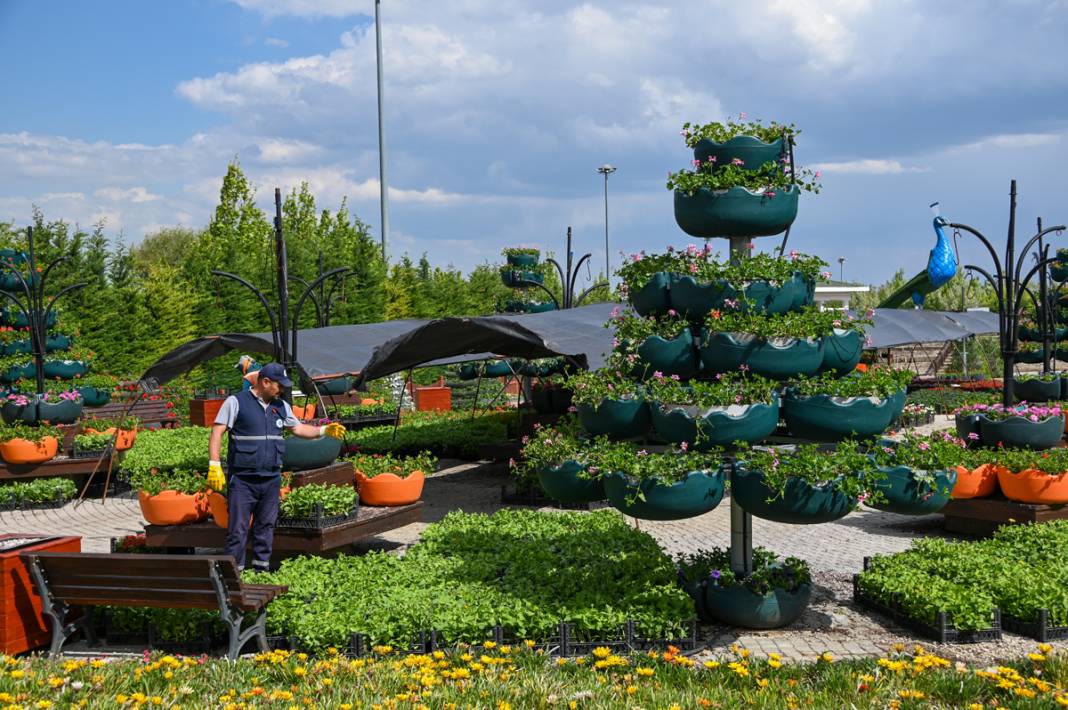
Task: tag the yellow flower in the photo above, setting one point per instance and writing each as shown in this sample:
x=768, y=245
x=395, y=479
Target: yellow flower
x=775, y=664
x=489, y=644
x=644, y=672
x=1025, y=692
x=762, y=683
x=975, y=706
x=561, y=661
x=602, y=652
x=632, y=689
x=1062, y=700
x=1045, y=648
x=529, y=644
x=711, y=664
x=17, y=674
x=827, y=657
x=1036, y=657
x=503, y=706
x=43, y=704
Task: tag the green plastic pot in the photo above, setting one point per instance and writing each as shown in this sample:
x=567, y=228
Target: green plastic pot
x=1018, y=432
x=1036, y=390
x=564, y=484
x=736, y=212
x=751, y=150
x=841, y=351
x=63, y=412
x=15, y=317
x=499, y=368
x=694, y=495
x=522, y=261
x=694, y=299
x=468, y=372
x=654, y=298
x=737, y=606
x=908, y=496
x=1031, y=357
x=616, y=418
x=678, y=424
x=966, y=425
x=25, y=413
x=676, y=356
x=65, y=369
x=335, y=385
x=11, y=374
x=1058, y=272
x=29, y=370
x=1034, y=335
x=58, y=342
x=820, y=418
x=94, y=396
x=520, y=279
x=529, y=307
x=304, y=454
x=800, y=504
x=19, y=347
x=726, y=352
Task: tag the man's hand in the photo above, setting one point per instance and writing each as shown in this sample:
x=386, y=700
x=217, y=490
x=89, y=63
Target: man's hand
x=216, y=478
x=334, y=429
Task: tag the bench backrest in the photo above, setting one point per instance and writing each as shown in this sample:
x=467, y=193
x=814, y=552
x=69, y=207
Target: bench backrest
x=170, y=581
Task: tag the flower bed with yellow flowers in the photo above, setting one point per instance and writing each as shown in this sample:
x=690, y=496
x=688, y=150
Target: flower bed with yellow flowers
x=499, y=677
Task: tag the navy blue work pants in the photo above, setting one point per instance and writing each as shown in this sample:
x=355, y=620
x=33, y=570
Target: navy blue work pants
x=252, y=496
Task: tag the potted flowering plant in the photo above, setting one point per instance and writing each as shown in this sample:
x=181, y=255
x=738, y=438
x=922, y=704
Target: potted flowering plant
x=658, y=486
x=1035, y=477
x=1030, y=353
x=831, y=408
x=726, y=194
x=521, y=257
x=123, y=428
x=920, y=473
x=25, y=444
x=1037, y=387
x=705, y=414
x=649, y=345
x=171, y=496
x=19, y=407
x=977, y=472
x=305, y=454
x=96, y=389
x=62, y=407
x=383, y=479
x=803, y=486
x=646, y=279
x=774, y=595
x=609, y=404
x=15, y=341
x=74, y=364
x=760, y=283
x=1019, y=426
x=550, y=395
x=560, y=460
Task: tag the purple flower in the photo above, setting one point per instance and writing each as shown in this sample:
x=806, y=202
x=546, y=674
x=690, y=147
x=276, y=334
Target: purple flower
x=973, y=436
x=715, y=574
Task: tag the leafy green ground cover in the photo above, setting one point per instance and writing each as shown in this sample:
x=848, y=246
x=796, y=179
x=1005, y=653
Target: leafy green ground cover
x=443, y=434
x=40, y=490
x=1021, y=569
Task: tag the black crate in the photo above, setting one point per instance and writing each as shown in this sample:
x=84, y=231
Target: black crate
x=318, y=521
x=533, y=496
x=942, y=631
x=203, y=643
x=1039, y=629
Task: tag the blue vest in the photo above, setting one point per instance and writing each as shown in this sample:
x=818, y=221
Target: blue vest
x=256, y=443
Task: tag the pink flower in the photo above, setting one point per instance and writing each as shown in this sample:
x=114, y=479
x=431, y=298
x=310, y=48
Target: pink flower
x=973, y=436
x=684, y=446
x=816, y=175
x=696, y=163
x=743, y=116
x=693, y=268
x=711, y=158
x=511, y=463
x=676, y=378
x=743, y=367
x=525, y=439
x=737, y=161
x=769, y=193
x=672, y=312
x=924, y=446
x=643, y=452
x=572, y=409
x=750, y=246
x=658, y=375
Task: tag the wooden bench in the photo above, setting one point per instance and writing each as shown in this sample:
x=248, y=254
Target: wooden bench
x=67, y=579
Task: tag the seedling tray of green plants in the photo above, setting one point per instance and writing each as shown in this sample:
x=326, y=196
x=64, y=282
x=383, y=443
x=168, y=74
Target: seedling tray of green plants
x=318, y=520
x=1039, y=629
x=942, y=630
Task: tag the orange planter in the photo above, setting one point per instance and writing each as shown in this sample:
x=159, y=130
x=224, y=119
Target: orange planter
x=976, y=483
x=23, y=451
x=173, y=508
x=304, y=413
x=123, y=442
x=219, y=506
x=1033, y=486
x=389, y=488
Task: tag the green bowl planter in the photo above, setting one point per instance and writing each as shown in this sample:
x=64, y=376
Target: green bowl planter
x=304, y=454
x=64, y=412
x=822, y=417
x=522, y=261
x=26, y=413
x=335, y=385
x=694, y=495
x=727, y=352
x=29, y=370
x=1031, y=357
x=897, y=405
x=19, y=347
x=1036, y=390
x=750, y=149
x=1021, y=433
x=519, y=279
x=59, y=341
x=564, y=484
x=694, y=299
x=907, y=496
x=654, y=298
x=16, y=318
x=676, y=356
x=497, y=369
x=800, y=504
x=617, y=418
x=1058, y=272
x=94, y=396
x=719, y=427
x=11, y=374
x=967, y=424
x=1034, y=335
x=529, y=307
x=468, y=372
x=736, y=212
x=65, y=369
x=737, y=606
x=841, y=351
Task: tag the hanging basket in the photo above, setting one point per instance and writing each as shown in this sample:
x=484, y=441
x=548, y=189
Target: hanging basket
x=616, y=418
x=334, y=386
x=1020, y=432
x=19, y=347
x=563, y=483
x=676, y=356
x=777, y=359
x=718, y=426
x=653, y=499
x=739, y=607
x=1036, y=390
x=800, y=504
x=520, y=279
x=821, y=417
x=752, y=151
x=305, y=454
x=65, y=369
x=15, y=317
x=58, y=342
x=654, y=298
x=1058, y=272
x=841, y=351
x=94, y=396
x=907, y=494
x=736, y=212
x=63, y=412
x=522, y=261
x=25, y=413
x=498, y=368
x=694, y=299
x=1031, y=357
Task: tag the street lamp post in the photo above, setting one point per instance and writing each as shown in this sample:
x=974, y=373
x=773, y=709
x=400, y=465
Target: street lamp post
x=606, y=170
x=841, y=269
x=383, y=184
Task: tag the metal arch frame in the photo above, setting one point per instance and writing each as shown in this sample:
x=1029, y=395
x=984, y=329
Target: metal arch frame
x=568, y=278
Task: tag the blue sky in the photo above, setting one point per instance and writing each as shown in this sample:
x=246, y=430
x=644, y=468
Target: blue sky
x=499, y=112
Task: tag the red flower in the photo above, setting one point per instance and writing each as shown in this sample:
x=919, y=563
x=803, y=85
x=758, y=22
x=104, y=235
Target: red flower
x=170, y=405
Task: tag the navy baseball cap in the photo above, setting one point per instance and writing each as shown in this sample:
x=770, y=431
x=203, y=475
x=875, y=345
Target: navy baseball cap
x=274, y=371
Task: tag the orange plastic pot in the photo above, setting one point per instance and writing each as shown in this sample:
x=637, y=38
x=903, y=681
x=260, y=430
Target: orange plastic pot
x=24, y=451
x=173, y=508
x=123, y=442
x=369, y=401
x=1036, y=487
x=976, y=483
x=389, y=488
x=219, y=505
x=305, y=412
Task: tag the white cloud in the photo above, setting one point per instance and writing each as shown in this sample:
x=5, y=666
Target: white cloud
x=1013, y=140
x=133, y=194
x=870, y=166
x=275, y=42
x=274, y=150
x=305, y=8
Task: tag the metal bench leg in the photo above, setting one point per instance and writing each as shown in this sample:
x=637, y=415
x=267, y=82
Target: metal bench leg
x=55, y=610
x=239, y=637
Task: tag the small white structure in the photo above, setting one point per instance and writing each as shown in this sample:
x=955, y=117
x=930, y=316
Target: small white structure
x=836, y=294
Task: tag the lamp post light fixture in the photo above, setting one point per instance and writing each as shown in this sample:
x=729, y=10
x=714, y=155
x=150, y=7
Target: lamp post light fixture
x=606, y=170
x=841, y=269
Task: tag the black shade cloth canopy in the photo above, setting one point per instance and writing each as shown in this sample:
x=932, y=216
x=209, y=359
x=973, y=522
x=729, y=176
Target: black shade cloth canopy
x=892, y=326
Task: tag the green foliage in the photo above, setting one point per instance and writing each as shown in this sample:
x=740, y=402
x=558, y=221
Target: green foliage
x=727, y=389
x=39, y=490
x=636, y=462
x=717, y=132
x=92, y=442
x=808, y=323
x=302, y=502
x=37, y=432
x=591, y=386
x=946, y=401
x=170, y=449
x=845, y=467
x=880, y=382
x=400, y=466
x=768, y=572
x=443, y=434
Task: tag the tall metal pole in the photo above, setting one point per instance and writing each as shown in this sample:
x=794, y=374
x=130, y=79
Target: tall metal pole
x=383, y=198
x=283, y=278
x=606, y=170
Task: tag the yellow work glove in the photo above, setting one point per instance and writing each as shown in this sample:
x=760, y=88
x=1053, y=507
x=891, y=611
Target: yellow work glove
x=216, y=477
x=335, y=430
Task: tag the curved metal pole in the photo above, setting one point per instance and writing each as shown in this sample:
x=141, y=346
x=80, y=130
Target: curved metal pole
x=574, y=278
x=300, y=305
x=544, y=288
x=990, y=279
x=591, y=289
x=1027, y=247
x=330, y=296
x=18, y=303
x=315, y=301
x=989, y=248
x=22, y=281
x=563, y=278
x=278, y=353
x=67, y=289
x=1030, y=274
x=53, y=265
